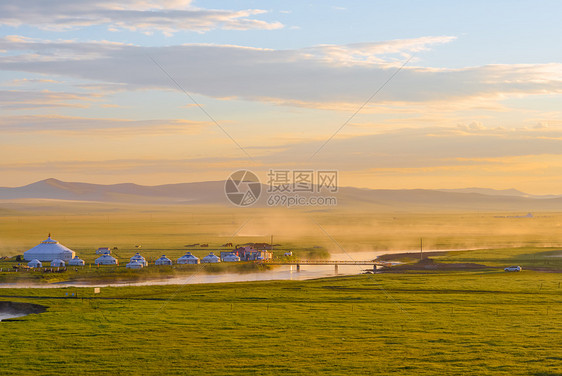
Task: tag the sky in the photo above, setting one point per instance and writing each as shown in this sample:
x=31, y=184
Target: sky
x=391, y=94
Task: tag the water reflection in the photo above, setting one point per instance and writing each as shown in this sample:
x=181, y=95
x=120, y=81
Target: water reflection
x=4, y=316
x=283, y=272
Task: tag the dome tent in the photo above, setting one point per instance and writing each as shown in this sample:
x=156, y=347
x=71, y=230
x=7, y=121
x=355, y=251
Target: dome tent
x=49, y=250
x=210, y=258
x=231, y=258
x=106, y=260
x=76, y=261
x=57, y=263
x=139, y=258
x=34, y=263
x=103, y=251
x=163, y=261
x=188, y=258
x=134, y=264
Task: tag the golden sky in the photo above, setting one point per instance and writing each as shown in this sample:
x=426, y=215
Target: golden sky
x=408, y=95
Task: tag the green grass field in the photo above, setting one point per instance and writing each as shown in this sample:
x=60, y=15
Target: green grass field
x=424, y=322
x=485, y=323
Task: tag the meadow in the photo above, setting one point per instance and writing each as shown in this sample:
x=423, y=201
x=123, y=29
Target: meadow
x=412, y=322
x=159, y=230
x=479, y=322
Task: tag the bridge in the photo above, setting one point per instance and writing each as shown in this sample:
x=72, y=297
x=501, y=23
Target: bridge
x=372, y=263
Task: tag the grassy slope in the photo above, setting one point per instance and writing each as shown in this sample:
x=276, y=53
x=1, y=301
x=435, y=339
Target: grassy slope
x=532, y=258
x=486, y=323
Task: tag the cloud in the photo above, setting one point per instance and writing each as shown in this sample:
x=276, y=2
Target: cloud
x=23, y=81
x=167, y=17
x=71, y=125
x=29, y=99
x=473, y=126
x=388, y=53
x=419, y=148
x=321, y=76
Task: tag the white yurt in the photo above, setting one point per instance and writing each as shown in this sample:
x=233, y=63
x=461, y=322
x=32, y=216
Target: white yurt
x=34, y=263
x=135, y=264
x=57, y=263
x=231, y=257
x=49, y=250
x=211, y=257
x=163, y=261
x=106, y=260
x=76, y=261
x=188, y=258
x=140, y=259
x=103, y=251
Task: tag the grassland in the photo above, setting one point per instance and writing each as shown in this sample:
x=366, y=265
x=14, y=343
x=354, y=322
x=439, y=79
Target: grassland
x=172, y=230
x=167, y=230
x=482, y=322
x=417, y=322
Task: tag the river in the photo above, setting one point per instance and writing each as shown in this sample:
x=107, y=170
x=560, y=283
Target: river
x=282, y=272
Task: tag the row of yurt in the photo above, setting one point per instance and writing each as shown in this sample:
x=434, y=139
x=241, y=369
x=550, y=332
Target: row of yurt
x=51, y=250
x=137, y=261
x=37, y=264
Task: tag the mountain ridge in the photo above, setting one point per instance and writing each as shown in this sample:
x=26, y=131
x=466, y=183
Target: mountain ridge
x=212, y=192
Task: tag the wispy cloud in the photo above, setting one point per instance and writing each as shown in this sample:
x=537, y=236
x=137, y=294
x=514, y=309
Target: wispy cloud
x=71, y=125
x=322, y=76
x=29, y=99
x=147, y=16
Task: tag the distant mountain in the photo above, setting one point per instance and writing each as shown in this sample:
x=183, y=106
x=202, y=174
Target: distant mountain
x=212, y=193
x=197, y=193
x=497, y=192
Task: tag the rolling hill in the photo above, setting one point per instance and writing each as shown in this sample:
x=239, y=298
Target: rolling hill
x=212, y=193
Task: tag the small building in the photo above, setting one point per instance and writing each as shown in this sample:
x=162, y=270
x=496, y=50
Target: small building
x=210, y=258
x=249, y=253
x=103, y=251
x=49, y=250
x=229, y=257
x=163, y=261
x=139, y=258
x=107, y=260
x=134, y=264
x=34, y=263
x=76, y=261
x=188, y=258
x=57, y=263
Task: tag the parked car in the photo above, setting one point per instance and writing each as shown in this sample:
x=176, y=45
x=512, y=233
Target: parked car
x=513, y=269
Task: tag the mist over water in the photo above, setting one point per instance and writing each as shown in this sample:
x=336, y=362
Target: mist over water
x=283, y=272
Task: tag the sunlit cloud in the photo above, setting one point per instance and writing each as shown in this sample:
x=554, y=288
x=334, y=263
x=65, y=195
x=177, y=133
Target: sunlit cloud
x=167, y=17
x=333, y=77
x=29, y=99
x=69, y=125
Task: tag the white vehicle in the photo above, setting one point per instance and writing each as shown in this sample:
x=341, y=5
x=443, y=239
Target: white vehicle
x=513, y=269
